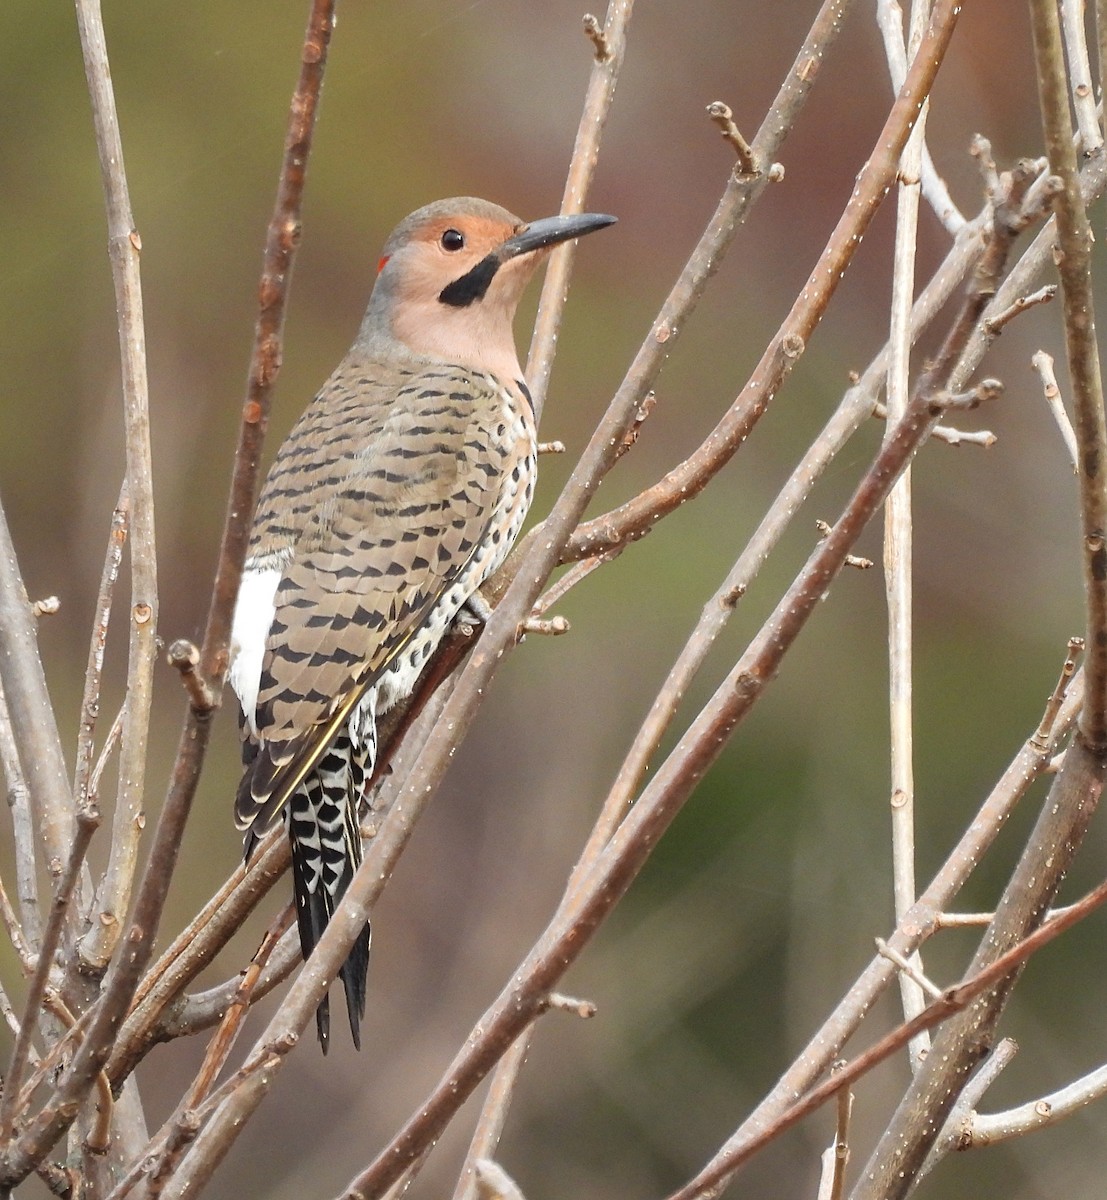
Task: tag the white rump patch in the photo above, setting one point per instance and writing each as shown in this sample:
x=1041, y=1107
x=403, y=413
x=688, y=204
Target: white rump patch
x=253, y=615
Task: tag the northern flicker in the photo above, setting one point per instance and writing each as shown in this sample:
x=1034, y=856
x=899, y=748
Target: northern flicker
x=397, y=493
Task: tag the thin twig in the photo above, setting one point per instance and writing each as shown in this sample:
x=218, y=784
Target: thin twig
x=569, y=579
x=909, y=968
x=90, y=701
x=23, y=950
x=223, y=1042
x=124, y=247
x=1080, y=76
x=889, y=19
x=88, y=820
x=985, y=1129
x=111, y=742
x=898, y=546
x=1042, y=296
x=1043, y=364
x=721, y=115
x=836, y=1155
x=610, y=48
x=1074, y=237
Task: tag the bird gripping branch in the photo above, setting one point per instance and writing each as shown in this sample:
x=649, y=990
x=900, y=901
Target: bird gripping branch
x=398, y=492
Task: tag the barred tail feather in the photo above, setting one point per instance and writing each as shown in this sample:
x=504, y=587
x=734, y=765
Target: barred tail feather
x=312, y=915
x=326, y=851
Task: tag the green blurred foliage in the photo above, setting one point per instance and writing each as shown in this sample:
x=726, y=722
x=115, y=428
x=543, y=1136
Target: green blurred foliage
x=760, y=906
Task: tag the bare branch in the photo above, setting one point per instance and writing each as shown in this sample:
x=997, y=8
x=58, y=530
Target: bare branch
x=1042, y=296
x=1074, y=267
x=958, y=1131
x=989, y=1128
x=1043, y=364
x=898, y=547
x=906, y=1142
x=1080, y=73
x=25, y=928
x=610, y=47
x=827, y=1042
x=194, y=948
x=88, y=819
x=908, y=968
x=15, y=932
x=836, y=1156
x=90, y=701
x=952, y=1005
x=889, y=18
x=721, y=115
x=124, y=246
x=31, y=715
x=692, y=475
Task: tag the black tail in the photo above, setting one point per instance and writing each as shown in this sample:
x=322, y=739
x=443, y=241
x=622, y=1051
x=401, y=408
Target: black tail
x=313, y=912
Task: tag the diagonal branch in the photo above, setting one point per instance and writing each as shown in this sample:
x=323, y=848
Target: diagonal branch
x=87, y=821
x=952, y=1002
x=689, y=478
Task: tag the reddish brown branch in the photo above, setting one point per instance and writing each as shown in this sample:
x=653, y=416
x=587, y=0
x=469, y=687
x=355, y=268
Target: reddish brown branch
x=689, y=478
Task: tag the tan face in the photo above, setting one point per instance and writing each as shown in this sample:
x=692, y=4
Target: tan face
x=452, y=295
x=444, y=251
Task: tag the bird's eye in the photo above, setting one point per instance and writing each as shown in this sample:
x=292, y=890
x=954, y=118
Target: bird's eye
x=453, y=240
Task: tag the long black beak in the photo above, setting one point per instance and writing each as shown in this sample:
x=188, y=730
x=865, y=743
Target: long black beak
x=536, y=236
x=551, y=230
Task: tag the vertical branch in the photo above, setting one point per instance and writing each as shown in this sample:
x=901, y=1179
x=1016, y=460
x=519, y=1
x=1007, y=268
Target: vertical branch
x=610, y=46
x=898, y=545
x=281, y=243
x=17, y=1160
x=124, y=246
x=610, y=49
x=1080, y=75
x=889, y=19
x=1074, y=236
x=29, y=710
x=1101, y=42
x=902, y=1150
x=28, y=923
x=961, y=1044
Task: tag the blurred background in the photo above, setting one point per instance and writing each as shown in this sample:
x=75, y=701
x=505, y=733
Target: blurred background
x=760, y=906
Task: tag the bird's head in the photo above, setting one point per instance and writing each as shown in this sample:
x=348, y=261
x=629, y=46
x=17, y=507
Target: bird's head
x=451, y=275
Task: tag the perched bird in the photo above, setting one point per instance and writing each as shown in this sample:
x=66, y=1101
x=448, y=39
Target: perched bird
x=397, y=493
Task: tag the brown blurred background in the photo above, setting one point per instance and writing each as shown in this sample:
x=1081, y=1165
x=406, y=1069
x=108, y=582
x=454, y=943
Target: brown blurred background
x=760, y=907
